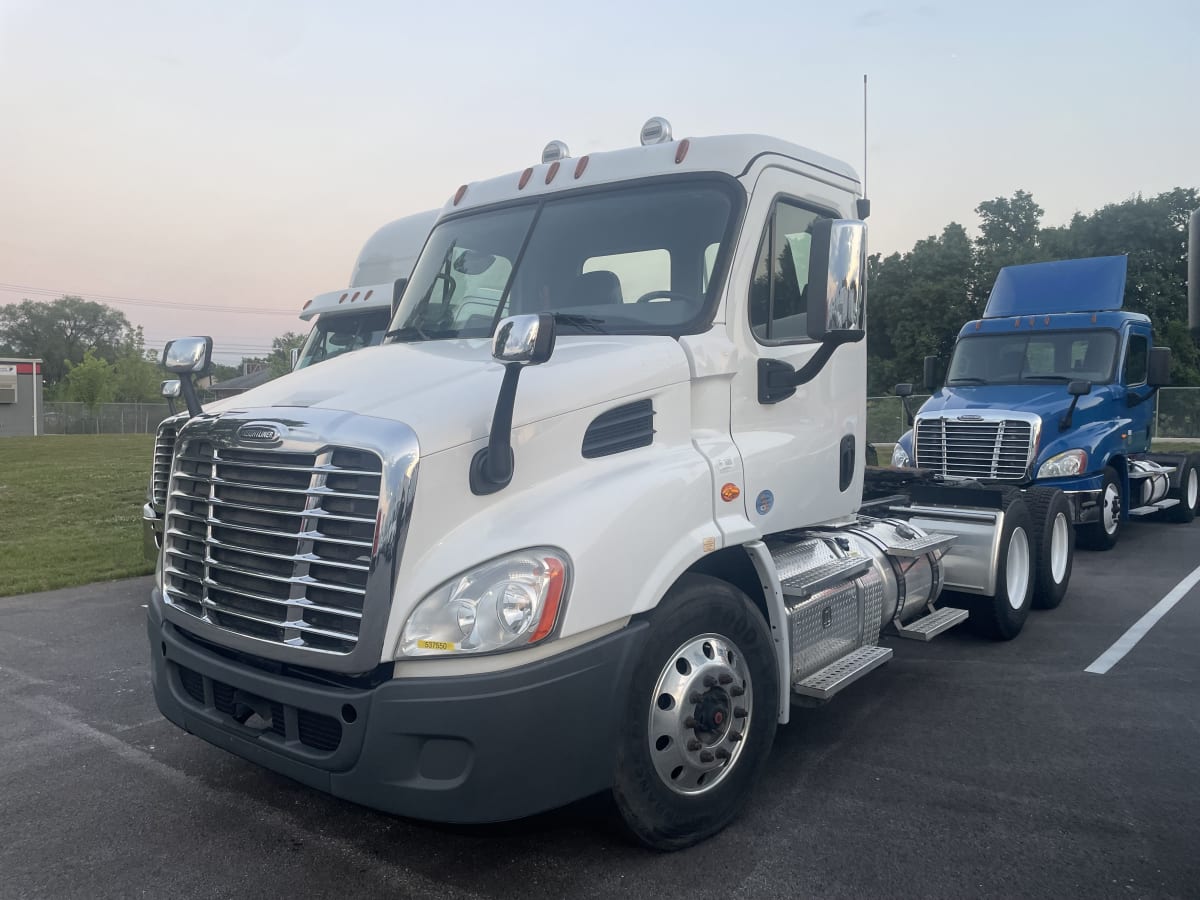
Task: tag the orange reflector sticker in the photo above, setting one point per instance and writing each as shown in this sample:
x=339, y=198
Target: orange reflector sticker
x=730, y=492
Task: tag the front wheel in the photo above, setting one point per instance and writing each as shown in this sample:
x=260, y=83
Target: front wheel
x=1188, y=506
x=1103, y=533
x=1053, y=543
x=702, y=710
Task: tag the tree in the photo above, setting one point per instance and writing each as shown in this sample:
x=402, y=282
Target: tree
x=137, y=375
x=61, y=332
x=92, y=382
x=280, y=360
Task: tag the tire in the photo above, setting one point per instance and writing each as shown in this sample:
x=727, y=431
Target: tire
x=1053, y=543
x=669, y=785
x=1188, y=492
x=1002, y=616
x=1103, y=534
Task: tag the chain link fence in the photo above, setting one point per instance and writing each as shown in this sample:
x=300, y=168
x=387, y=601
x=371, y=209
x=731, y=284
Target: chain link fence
x=105, y=418
x=1177, y=412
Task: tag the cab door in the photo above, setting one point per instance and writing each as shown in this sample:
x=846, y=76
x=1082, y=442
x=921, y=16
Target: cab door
x=1139, y=396
x=803, y=455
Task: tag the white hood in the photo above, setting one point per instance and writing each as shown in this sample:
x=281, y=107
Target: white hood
x=446, y=390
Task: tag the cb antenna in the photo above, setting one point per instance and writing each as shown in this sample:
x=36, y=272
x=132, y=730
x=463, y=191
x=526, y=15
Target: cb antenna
x=864, y=204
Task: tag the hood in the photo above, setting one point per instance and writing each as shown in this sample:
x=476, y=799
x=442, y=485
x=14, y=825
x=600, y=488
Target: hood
x=446, y=390
x=1047, y=401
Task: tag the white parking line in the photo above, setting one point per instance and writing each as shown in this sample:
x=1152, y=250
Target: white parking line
x=1137, y=631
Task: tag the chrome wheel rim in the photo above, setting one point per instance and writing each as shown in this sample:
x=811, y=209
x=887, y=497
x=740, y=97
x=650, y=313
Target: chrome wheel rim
x=1016, y=569
x=1193, y=488
x=700, y=713
x=1060, y=547
x=1111, y=508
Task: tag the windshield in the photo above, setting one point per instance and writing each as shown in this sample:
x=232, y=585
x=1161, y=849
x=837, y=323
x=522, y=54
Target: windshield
x=334, y=335
x=631, y=260
x=1034, y=357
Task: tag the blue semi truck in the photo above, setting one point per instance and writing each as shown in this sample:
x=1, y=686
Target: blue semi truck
x=1054, y=386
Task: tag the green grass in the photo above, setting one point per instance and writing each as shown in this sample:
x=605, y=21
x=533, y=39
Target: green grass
x=71, y=509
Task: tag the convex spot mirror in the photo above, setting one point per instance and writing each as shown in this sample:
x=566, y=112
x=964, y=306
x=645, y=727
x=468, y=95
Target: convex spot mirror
x=1079, y=388
x=170, y=389
x=188, y=356
x=527, y=340
x=837, y=286
x=1159, y=374
x=931, y=374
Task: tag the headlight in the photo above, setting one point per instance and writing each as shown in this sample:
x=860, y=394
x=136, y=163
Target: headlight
x=900, y=459
x=507, y=603
x=1073, y=462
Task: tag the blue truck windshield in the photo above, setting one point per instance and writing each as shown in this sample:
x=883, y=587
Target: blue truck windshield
x=614, y=261
x=1030, y=357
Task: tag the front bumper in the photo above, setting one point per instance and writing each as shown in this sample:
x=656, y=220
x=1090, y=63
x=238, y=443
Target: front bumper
x=1082, y=492
x=464, y=749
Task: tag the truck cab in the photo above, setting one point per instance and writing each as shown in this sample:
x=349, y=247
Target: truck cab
x=1055, y=386
x=591, y=518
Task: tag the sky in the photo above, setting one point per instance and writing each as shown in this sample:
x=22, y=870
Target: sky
x=219, y=163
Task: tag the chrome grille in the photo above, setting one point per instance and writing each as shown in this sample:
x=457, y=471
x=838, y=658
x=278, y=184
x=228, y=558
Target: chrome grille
x=993, y=449
x=164, y=446
x=270, y=544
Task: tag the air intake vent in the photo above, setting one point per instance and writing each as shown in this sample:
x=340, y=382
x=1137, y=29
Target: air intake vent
x=620, y=429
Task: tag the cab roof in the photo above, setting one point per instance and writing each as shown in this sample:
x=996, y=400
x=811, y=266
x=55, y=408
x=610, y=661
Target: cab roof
x=729, y=154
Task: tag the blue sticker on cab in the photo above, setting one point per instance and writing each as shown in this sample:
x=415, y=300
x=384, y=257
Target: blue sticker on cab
x=764, y=502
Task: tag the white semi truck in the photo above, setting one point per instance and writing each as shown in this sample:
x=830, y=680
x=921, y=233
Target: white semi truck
x=342, y=321
x=592, y=518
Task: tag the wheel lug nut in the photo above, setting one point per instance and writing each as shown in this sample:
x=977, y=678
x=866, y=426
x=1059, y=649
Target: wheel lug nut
x=694, y=699
x=722, y=753
x=694, y=745
x=740, y=712
x=736, y=691
x=710, y=681
x=734, y=736
x=706, y=756
x=726, y=678
x=690, y=722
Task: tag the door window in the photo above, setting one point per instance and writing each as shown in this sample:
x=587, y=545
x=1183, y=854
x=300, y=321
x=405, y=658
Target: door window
x=779, y=292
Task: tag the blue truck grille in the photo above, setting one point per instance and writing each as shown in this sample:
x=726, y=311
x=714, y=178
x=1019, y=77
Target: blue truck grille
x=996, y=450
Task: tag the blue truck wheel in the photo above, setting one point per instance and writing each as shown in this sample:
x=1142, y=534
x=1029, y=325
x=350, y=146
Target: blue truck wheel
x=1103, y=533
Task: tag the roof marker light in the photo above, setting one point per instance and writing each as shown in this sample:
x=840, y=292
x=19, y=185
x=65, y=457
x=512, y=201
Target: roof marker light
x=525, y=176
x=355, y=297
x=367, y=295
x=682, y=151
x=307, y=305
x=1046, y=321
x=554, y=151
x=458, y=195
x=657, y=130
x=581, y=165
x=552, y=171
x=342, y=299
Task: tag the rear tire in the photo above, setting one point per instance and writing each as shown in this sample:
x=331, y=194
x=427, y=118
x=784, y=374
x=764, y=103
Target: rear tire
x=1054, y=544
x=1103, y=533
x=1002, y=616
x=707, y=673
x=1188, y=493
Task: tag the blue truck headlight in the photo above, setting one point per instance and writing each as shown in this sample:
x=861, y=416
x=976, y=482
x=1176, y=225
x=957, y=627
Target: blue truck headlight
x=900, y=458
x=1064, y=465
x=510, y=602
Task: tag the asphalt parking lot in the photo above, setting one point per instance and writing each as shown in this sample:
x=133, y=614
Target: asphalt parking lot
x=962, y=768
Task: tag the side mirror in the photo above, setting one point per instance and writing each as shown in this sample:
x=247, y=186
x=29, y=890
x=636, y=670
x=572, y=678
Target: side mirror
x=1076, y=389
x=1159, y=374
x=931, y=374
x=524, y=340
x=1079, y=388
x=295, y=357
x=520, y=341
x=188, y=356
x=837, y=281
x=170, y=389
x=904, y=390
x=398, y=292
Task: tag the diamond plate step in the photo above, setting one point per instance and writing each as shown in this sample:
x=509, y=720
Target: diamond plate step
x=828, y=681
x=810, y=581
x=918, y=546
x=1155, y=507
x=928, y=627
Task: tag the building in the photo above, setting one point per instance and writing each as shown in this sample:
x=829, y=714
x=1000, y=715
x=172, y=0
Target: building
x=20, y=397
x=244, y=382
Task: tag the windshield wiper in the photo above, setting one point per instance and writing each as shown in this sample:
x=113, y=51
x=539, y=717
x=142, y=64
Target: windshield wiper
x=583, y=323
x=967, y=379
x=1062, y=378
x=413, y=332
